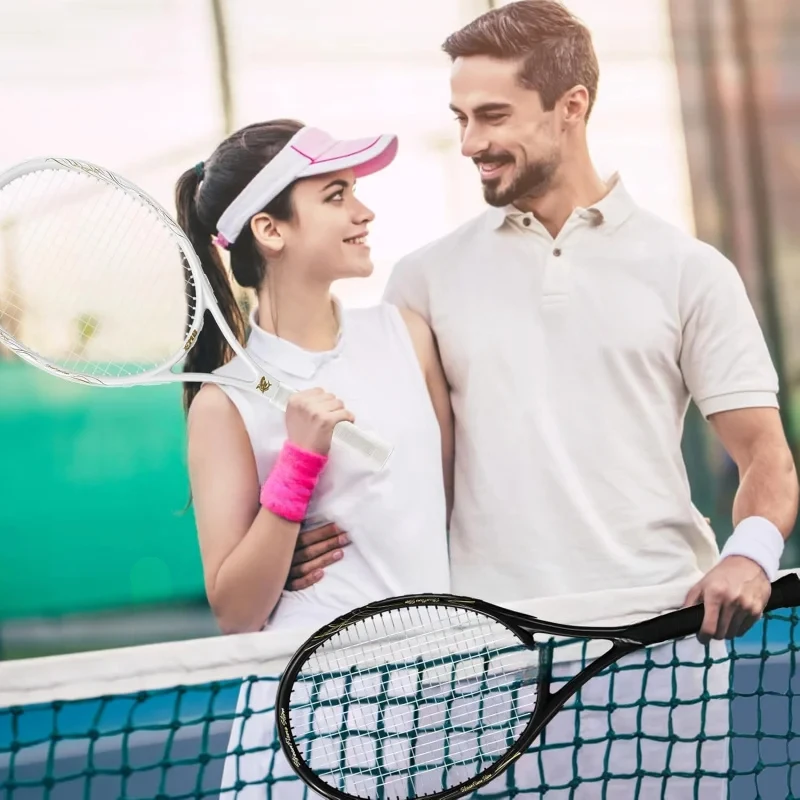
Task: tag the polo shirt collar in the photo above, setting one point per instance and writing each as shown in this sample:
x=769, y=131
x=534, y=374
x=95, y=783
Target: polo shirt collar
x=289, y=357
x=616, y=206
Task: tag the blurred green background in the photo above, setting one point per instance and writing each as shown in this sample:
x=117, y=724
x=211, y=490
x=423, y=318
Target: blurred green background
x=95, y=512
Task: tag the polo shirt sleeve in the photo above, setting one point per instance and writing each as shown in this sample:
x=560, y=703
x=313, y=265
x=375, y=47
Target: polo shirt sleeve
x=724, y=357
x=407, y=286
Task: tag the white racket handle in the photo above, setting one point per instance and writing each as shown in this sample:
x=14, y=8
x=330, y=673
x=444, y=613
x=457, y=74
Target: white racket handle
x=373, y=447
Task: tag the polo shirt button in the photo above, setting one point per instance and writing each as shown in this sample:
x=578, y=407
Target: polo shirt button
x=557, y=252
x=526, y=221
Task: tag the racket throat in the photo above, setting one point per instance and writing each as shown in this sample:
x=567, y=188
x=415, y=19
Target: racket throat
x=550, y=703
x=544, y=692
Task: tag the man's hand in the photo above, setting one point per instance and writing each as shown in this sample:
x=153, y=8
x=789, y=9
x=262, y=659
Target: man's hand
x=735, y=593
x=316, y=549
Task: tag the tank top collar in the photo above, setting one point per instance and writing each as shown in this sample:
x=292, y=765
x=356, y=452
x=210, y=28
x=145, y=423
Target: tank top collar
x=289, y=357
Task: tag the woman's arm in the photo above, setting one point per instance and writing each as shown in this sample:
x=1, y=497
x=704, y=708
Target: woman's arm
x=428, y=355
x=246, y=549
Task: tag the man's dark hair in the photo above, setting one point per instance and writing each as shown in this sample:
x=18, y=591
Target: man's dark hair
x=554, y=46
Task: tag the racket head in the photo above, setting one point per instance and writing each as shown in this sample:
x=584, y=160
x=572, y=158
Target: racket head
x=98, y=284
x=423, y=696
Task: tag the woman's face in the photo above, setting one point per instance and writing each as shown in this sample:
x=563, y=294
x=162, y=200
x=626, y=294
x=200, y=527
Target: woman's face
x=326, y=237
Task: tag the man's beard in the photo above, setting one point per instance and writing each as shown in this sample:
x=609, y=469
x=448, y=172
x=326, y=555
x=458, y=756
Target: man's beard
x=533, y=180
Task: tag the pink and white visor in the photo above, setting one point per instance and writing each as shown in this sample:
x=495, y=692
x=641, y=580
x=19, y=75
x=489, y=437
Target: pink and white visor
x=309, y=152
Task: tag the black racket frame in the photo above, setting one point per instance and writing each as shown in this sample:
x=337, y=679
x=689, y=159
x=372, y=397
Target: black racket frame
x=624, y=640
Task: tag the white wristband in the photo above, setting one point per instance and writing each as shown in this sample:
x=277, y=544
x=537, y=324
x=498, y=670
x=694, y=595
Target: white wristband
x=759, y=540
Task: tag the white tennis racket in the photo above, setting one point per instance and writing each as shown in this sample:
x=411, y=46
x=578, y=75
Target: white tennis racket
x=99, y=285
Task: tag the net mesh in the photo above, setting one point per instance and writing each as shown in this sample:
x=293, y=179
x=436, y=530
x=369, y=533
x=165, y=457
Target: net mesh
x=91, y=280
x=196, y=720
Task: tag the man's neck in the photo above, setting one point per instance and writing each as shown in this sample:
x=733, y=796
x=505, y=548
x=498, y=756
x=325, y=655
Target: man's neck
x=576, y=186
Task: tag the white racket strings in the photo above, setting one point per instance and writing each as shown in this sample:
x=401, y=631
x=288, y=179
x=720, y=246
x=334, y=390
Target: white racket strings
x=92, y=281
x=412, y=699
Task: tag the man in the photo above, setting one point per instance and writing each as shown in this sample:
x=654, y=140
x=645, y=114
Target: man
x=575, y=327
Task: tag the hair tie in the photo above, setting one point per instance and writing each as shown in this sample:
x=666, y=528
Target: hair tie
x=199, y=169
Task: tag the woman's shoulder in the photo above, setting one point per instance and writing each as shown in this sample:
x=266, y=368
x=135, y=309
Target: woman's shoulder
x=211, y=403
x=385, y=315
x=391, y=329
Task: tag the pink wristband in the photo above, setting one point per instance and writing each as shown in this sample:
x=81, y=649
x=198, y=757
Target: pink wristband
x=288, y=489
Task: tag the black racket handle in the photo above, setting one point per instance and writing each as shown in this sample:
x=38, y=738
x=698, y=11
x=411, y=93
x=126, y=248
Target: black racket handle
x=687, y=621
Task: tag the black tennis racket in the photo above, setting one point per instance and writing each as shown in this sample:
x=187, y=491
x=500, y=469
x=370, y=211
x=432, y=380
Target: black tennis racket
x=433, y=696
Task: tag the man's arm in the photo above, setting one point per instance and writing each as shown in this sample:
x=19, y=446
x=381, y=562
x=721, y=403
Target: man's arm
x=755, y=440
x=764, y=512
x=728, y=370
x=407, y=286
x=428, y=355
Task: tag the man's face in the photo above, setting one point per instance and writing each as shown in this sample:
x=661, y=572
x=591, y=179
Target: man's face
x=514, y=142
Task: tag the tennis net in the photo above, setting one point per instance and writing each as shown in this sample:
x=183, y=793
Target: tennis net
x=155, y=722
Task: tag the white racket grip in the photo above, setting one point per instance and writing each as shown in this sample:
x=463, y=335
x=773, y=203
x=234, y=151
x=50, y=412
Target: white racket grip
x=374, y=448
x=371, y=446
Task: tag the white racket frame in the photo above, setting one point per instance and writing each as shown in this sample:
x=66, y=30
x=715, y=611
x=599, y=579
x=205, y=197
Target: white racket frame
x=262, y=383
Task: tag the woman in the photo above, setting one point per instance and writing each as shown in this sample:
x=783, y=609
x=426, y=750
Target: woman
x=280, y=198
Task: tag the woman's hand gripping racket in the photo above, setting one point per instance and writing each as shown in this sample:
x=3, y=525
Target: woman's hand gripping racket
x=433, y=696
x=99, y=285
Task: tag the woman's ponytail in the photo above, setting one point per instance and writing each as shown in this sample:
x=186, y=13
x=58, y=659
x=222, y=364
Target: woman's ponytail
x=201, y=196
x=210, y=351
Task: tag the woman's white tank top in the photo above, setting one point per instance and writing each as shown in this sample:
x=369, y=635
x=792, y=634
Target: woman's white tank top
x=396, y=518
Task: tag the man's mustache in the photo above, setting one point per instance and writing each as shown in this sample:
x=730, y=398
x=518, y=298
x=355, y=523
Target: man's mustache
x=492, y=158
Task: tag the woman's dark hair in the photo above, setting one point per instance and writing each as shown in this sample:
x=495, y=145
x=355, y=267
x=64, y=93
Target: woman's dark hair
x=201, y=197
